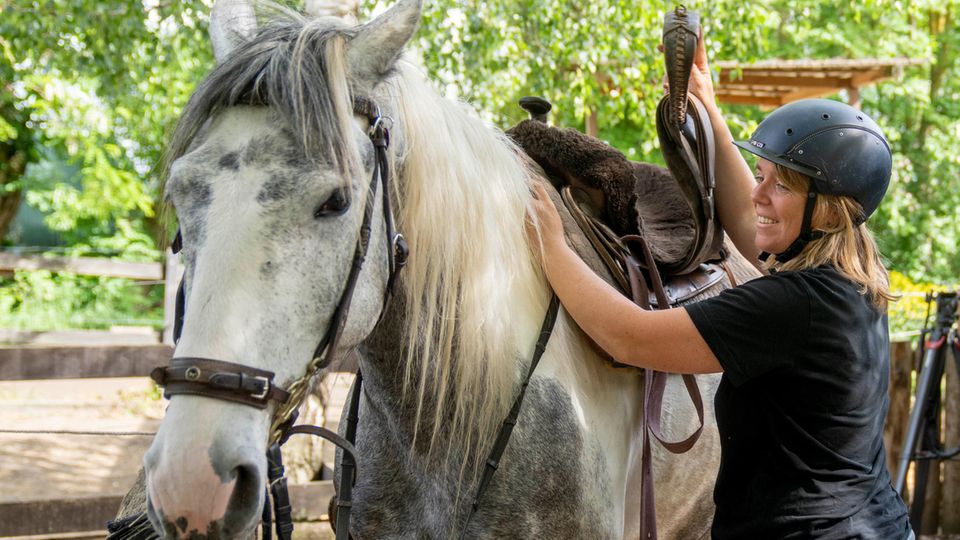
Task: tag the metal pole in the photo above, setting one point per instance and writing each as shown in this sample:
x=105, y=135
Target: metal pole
x=929, y=375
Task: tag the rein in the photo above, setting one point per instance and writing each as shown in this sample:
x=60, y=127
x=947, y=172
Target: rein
x=237, y=383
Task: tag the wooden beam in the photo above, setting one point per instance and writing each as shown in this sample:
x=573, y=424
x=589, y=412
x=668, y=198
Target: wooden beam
x=749, y=78
x=36, y=363
x=871, y=76
x=57, y=516
x=769, y=101
x=135, y=336
x=82, y=265
x=809, y=93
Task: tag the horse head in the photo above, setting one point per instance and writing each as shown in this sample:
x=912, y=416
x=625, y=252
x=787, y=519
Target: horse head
x=270, y=176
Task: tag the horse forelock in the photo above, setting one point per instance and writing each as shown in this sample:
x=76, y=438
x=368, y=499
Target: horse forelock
x=293, y=65
x=475, y=294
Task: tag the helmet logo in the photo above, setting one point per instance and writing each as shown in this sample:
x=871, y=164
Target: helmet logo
x=758, y=144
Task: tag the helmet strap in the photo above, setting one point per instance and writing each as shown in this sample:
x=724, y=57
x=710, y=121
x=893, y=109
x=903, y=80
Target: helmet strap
x=806, y=234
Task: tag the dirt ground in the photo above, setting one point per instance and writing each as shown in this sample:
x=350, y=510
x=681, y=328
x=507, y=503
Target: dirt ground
x=36, y=466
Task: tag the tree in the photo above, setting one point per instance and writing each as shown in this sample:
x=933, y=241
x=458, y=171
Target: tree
x=93, y=86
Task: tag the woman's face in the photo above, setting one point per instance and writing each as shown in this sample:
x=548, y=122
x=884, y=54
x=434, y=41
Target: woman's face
x=779, y=210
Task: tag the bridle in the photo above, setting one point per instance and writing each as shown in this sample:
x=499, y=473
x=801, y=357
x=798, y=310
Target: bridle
x=230, y=381
x=237, y=383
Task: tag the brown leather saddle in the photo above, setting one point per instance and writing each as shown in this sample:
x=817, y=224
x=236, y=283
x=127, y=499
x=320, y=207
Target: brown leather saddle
x=640, y=217
x=612, y=198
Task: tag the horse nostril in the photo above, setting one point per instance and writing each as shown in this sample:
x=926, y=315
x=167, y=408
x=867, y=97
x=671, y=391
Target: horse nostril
x=246, y=500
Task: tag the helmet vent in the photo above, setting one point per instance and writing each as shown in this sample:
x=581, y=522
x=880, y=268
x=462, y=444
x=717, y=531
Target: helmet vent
x=826, y=116
x=860, y=117
x=789, y=131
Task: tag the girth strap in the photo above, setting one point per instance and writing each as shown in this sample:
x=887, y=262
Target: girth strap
x=653, y=388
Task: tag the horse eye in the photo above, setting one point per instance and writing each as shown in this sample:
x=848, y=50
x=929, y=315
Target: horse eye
x=336, y=204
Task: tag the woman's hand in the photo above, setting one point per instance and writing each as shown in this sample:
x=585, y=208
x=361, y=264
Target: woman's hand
x=701, y=81
x=548, y=219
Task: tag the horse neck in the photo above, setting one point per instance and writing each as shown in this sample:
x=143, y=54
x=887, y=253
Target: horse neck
x=382, y=360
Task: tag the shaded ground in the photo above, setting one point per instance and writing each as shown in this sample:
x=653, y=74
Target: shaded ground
x=54, y=466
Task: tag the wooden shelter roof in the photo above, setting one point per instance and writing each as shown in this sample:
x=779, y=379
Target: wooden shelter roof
x=775, y=82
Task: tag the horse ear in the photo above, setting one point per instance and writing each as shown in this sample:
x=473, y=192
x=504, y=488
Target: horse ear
x=377, y=44
x=231, y=22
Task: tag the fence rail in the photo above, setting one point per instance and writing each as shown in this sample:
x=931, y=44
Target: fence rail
x=167, y=273
x=88, y=266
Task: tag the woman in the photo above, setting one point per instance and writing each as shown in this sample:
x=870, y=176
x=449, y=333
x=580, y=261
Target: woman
x=803, y=350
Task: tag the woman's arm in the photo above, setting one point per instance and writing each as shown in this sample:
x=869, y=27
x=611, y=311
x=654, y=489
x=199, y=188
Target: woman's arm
x=664, y=340
x=735, y=180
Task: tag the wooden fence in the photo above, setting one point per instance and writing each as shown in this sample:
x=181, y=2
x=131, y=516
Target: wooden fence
x=170, y=271
x=942, y=508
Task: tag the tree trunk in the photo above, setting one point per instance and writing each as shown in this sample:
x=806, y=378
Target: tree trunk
x=13, y=163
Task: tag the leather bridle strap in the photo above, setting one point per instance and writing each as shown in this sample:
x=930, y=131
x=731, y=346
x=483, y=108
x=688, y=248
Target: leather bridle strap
x=506, y=428
x=226, y=381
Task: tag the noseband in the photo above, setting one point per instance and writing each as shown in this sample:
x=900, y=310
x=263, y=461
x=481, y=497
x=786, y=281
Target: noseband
x=237, y=383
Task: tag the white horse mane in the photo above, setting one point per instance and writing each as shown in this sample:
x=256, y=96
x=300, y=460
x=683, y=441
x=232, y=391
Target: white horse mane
x=463, y=211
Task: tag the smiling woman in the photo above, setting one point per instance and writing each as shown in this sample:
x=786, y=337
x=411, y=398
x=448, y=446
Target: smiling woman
x=803, y=350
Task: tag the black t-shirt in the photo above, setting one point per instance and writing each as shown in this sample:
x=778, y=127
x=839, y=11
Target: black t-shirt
x=800, y=410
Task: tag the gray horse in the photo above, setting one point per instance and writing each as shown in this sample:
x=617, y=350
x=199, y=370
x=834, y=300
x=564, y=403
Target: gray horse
x=270, y=173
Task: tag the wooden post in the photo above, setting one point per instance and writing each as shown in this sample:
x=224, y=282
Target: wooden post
x=901, y=364
x=853, y=96
x=950, y=502
x=931, y=508
x=172, y=274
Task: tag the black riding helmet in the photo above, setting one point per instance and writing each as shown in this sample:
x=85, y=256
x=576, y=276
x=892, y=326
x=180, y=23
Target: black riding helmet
x=839, y=147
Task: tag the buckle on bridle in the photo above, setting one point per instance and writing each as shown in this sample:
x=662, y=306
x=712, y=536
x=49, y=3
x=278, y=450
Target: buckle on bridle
x=265, y=382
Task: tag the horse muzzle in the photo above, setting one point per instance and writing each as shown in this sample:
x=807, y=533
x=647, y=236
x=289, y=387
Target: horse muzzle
x=203, y=479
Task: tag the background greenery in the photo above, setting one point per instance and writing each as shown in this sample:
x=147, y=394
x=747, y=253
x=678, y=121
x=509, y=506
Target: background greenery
x=89, y=89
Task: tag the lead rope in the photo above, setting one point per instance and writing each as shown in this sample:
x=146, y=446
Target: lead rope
x=506, y=428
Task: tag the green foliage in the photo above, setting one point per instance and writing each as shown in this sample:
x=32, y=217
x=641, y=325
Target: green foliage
x=88, y=90
x=909, y=314
x=41, y=300
x=95, y=85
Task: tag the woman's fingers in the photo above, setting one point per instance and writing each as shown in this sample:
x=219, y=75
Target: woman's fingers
x=546, y=214
x=700, y=56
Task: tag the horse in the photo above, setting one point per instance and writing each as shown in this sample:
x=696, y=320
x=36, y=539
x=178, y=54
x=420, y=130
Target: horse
x=269, y=175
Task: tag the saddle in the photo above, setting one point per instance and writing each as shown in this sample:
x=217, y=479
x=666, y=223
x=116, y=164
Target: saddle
x=669, y=214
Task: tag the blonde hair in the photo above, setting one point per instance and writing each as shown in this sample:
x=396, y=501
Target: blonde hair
x=847, y=244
